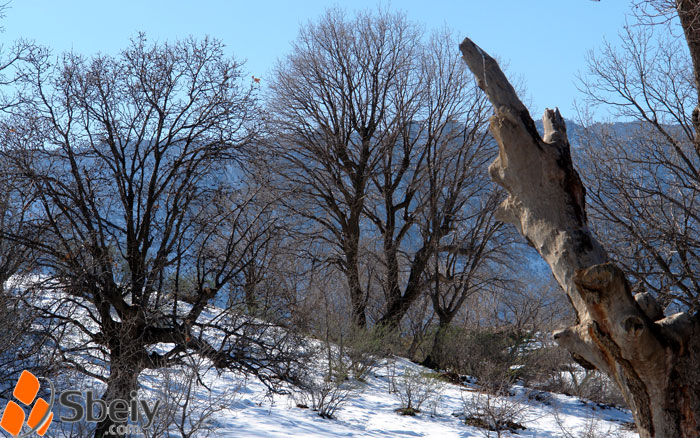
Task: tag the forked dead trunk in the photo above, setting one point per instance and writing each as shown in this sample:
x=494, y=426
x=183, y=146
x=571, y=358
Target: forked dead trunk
x=655, y=360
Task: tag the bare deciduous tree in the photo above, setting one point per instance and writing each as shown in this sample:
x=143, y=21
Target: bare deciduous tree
x=130, y=162
x=20, y=341
x=362, y=112
x=333, y=104
x=643, y=176
x=14, y=200
x=474, y=260
x=431, y=183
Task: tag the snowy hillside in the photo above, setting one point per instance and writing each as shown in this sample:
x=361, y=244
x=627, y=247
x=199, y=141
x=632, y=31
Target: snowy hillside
x=227, y=404
x=370, y=411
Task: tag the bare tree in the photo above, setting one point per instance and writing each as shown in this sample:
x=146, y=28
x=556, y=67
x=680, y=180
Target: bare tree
x=474, y=260
x=11, y=57
x=14, y=200
x=643, y=175
x=333, y=108
x=357, y=111
x=652, y=358
x=130, y=160
x=188, y=407
x=17, y=221
x=21, y=340
x=428, y=182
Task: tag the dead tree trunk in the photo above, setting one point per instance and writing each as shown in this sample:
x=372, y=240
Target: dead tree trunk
x=653, y=359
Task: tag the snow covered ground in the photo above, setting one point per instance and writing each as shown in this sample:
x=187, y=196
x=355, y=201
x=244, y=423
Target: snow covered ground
x=227, y=404
x=370, y=411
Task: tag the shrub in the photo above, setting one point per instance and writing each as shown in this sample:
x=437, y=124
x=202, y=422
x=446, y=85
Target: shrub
x=361, y=351
x=413, y=389
x=493, y=413
x=562, y=375
x=188, y=408
x=325, y=397
x=490, y=355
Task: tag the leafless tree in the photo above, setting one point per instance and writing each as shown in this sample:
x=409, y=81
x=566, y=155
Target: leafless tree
x=14, y=201
x=655, y=12
x=20, y=341
x=643, y=176
x=131, y=162
x=362, y=111
x=333, y=107
x=418, y=324
x=429, y=181
x=11, y=56
x=475, y=260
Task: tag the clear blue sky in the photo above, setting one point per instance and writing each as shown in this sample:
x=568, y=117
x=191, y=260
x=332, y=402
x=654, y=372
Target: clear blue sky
x=543, y=41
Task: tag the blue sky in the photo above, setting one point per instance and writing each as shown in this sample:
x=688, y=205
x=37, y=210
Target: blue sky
x=543, y=41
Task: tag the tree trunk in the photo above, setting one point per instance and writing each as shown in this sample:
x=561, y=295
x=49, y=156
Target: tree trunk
x=358, y=299
x=436, y=357
x=124, y=371
x=357, y=296
x=398, y=304
x=652, y=358
x=351, y=249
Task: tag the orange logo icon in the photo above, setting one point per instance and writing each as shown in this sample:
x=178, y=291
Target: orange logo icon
x=40, y=416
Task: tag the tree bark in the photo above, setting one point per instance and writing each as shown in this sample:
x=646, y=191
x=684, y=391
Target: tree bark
x=398, y=304
x=123, y=379
x=126, y=362
x=358, y=297
x=436, y=358
x=652, y=358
